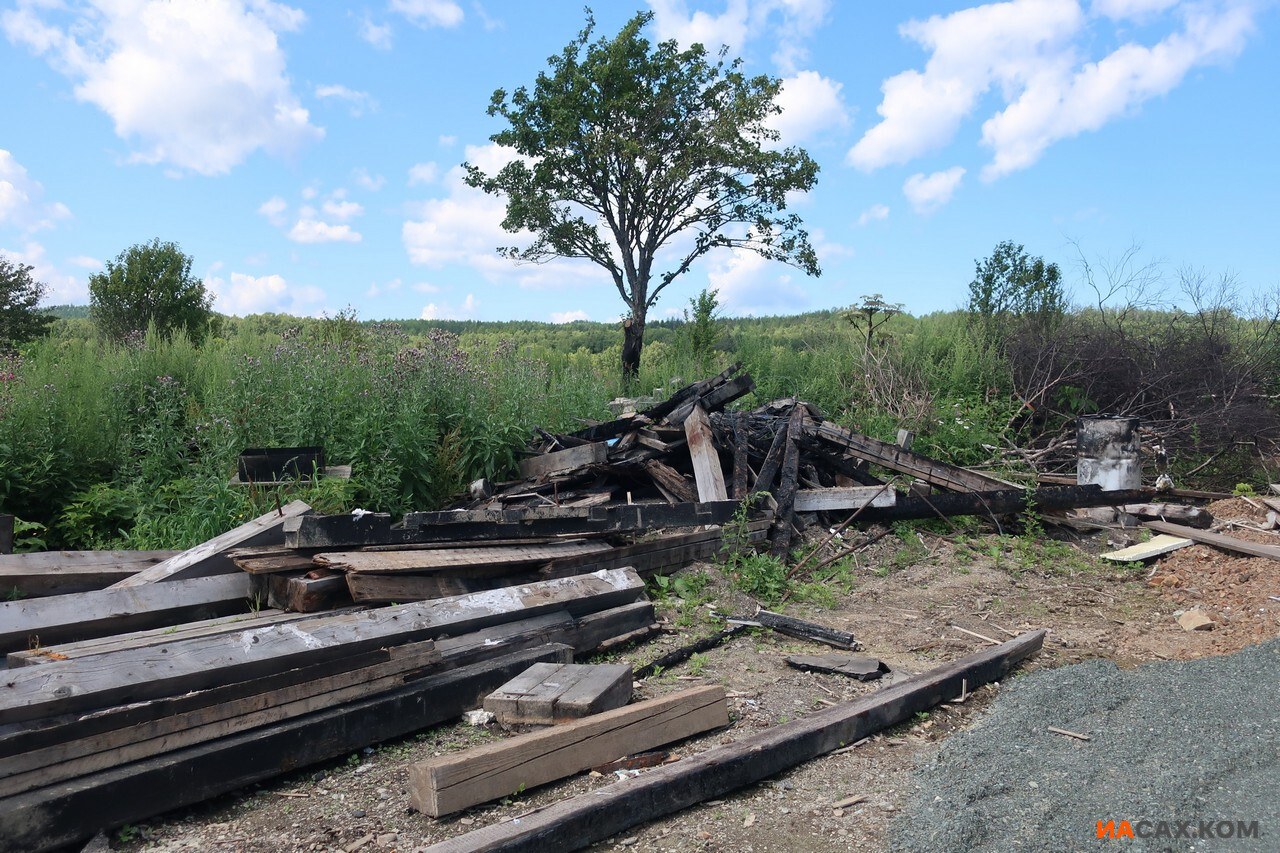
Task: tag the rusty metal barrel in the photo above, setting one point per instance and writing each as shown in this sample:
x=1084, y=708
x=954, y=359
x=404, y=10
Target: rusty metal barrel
x=1107, y=452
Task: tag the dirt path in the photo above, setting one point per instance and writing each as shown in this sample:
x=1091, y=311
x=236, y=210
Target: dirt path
x=902, y=599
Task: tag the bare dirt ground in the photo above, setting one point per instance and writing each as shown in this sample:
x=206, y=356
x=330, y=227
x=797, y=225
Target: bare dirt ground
x=903, y=598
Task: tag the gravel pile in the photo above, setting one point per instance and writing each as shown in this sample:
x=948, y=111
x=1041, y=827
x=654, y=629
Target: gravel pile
x=1195, y=742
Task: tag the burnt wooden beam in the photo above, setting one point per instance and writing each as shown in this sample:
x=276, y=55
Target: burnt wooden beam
x=996, y=503
x=786, y=493
x=671, y=480
x=904, y=461
x=682, y=654
x=582, y=820
x=344, y=531
x=800, y=629
x=772, y=461
x=741, y=460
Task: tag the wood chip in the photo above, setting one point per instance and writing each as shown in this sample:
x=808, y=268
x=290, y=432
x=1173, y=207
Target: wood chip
x=976, y=634
x=849, y=801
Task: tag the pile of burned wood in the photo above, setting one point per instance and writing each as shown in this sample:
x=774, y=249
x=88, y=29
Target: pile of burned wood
x=298, y=638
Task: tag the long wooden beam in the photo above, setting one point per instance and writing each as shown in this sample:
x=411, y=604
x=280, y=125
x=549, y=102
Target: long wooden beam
x=1217, y=540
x=39, y=622
x=63, y=572
x=989, y=504
x=582, y=820
x=904, y=461
x=210, y=558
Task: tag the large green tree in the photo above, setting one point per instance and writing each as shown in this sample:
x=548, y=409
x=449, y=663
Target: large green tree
x=629, y=149
x=150, y=283
x=20, y=294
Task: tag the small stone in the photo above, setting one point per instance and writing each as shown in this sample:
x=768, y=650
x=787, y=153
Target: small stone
x=750, y=821
x=837, y=812
x=387, y=839
x=627, y=842
x=358, y=843
x=784, y=811
x=467, y=821
x=1194, y=620
x=358, y=813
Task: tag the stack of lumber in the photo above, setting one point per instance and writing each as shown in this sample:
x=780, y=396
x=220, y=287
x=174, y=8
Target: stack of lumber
x=115, y=731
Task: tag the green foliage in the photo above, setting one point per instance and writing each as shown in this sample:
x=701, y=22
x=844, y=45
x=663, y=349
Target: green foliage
x=631, y=133
x=701, y=330
x=150, y=284
x=871, y=313
x=1011, y=284
x=1244, y=490
x=20, y=319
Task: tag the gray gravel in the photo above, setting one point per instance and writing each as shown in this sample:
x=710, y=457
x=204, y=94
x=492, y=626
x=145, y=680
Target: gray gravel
x=1173, y=742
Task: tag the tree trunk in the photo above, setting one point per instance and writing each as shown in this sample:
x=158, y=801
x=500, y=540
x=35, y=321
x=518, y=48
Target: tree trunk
x=632, y=344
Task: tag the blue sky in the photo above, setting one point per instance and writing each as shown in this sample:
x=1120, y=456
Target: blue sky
x=307, y=155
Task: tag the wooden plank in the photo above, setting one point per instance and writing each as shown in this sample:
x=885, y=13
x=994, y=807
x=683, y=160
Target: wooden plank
x=139, y=674
x=579, y=821
x=209, y=558
x=1192, y=516
x=41, y=622
x=1217, y=540
x=1157, y=545
x=6, y=533
x=904, y=461
x=71, y=811
x=152, y=637
x=63, y=572
x=849, y=497
x=661, y=555
x=440, y=786
x=369, y=588
x=741, y=459
x=546, y=693
x=801, y=629
x=313, y=594
x=445, y=558
x=670, y=480
x=706, y=459
x=560, y=461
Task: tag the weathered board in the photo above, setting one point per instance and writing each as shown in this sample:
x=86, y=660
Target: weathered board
x=450, y=558
x=1157, y=545
x=1217, y=540
x=849, y=497
x=707, y=471
x=547, y=693
x=560, y=461
x=62, y=572
x=370, y=588
x=39, y=622
x=210, y=558
x=854, y=666
x=448, y=783
x=579, y=821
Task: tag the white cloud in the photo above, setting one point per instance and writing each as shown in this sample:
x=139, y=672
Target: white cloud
x=63, y=289
x=378, y=35
x=569, y=316
x=376, y=289
x=21, y=199
x=749, y=285
x=446, y=140
x=429, y=13
x=426, y=287
x=872, y=214
x=810, y=105
x=310, y=192
x=198, y=86
x=308, y=230
x=342, y=210
x=248, y=294
x=927, y=193
x=86, y=262
x=1034, y=54
x=489, y=22
x=372, y=183
x=423, y=173
x=1122, y=9
x=445, y=311
x=791, y=23
x=274, y=208
x=357, y=102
